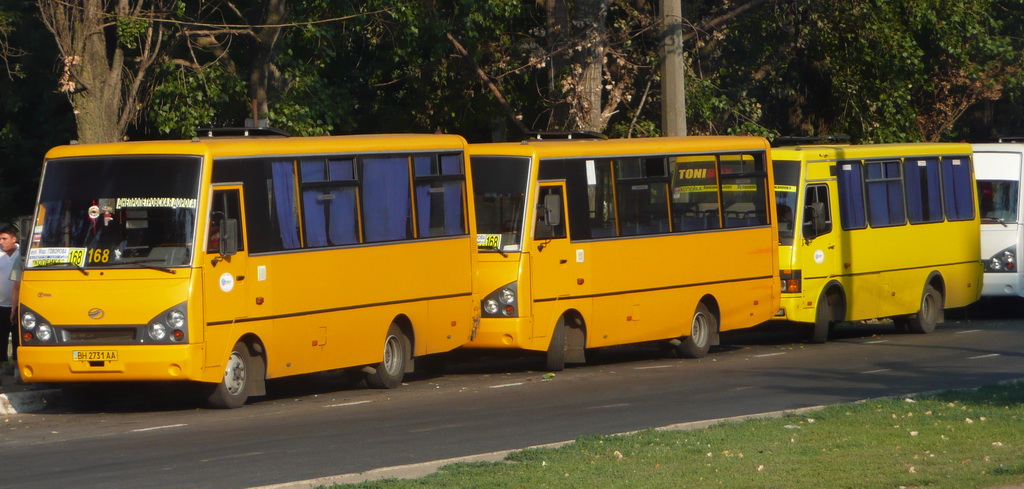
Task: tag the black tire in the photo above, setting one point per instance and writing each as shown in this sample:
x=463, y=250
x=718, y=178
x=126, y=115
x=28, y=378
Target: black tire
x=388, y=374
x=929, y=314
x=554, y=358
x=823, y=321
x=703, y=327
x=233, y=389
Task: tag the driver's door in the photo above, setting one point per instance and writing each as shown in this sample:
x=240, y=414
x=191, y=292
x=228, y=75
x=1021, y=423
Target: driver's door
x=224, y=275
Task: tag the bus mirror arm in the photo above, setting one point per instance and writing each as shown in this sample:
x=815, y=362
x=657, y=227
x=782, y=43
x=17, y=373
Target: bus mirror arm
x=814, y=221
x=228, y=237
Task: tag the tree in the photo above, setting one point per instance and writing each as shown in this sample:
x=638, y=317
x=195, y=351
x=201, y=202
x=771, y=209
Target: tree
x=108, y=49
x=884, y=70
x=33, y=117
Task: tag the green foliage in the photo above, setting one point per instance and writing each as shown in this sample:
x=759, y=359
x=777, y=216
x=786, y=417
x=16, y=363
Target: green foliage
x=130, y=31
x=186, y=99
x=885, y=70
x=879, y=70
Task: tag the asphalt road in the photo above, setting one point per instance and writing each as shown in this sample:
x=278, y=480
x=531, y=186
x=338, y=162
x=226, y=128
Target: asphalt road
x=158, y=436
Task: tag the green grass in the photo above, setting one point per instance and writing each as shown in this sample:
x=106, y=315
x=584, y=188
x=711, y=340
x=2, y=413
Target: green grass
x=956, y=439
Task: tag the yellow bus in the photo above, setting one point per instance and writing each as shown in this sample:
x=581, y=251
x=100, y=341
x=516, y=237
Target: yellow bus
x=591, y=243
x=232, y=260
x=885, y=230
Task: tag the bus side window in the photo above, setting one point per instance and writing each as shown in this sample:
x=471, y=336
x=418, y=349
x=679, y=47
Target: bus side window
x=817, y=213
x=225, y=224
x=549, y=215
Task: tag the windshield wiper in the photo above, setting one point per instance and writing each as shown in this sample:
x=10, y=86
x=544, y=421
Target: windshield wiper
x=152, y=267
x=998, y=220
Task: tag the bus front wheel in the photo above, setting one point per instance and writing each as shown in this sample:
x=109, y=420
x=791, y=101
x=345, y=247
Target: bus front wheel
x=824, y=318
x=702, y=329
x=930, y=314
x=389, y=372
x=233, y=389
x=554, y=358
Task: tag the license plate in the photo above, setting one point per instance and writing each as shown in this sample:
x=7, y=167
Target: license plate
x=94, y=355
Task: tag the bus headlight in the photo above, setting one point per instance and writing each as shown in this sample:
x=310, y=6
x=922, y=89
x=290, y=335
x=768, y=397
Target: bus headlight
x=1005, y=261
x=28, y=321
x=791, y=281
x=157, y=331
x=503, y=302
x=170, y=326
x=35, y=329
x=507, y=296
x=176, y=319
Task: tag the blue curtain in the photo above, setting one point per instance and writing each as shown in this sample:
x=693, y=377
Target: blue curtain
x=284, y=202
x=851, y=195
x=924, y=200
x=956, y=188
x=342, y=212
x=386, y=206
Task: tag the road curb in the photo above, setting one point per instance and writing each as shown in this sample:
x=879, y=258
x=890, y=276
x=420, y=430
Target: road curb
x=28, y=401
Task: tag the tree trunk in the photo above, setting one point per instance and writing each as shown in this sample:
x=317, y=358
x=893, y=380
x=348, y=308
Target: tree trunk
x=105, y=92
x=591, y=14
x=97, y=101
x=263, y=72
x=557, y=34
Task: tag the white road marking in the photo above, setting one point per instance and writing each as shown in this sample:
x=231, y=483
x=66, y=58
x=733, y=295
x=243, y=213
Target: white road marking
x=771, y=354
x=990, y=355
x=875, y=342
x=344, y=404
x=654, y=366
x=968, y=331
x=500, y=386
x=877, y=371
x=159, y=428
x=607, y=406
x=232, y=456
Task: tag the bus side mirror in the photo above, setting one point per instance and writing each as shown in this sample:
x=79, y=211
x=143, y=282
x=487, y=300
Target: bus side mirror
x=814, y=220
x=552, y=209
x=228, y=237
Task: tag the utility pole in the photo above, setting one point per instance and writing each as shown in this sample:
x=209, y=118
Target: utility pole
x=673, y=83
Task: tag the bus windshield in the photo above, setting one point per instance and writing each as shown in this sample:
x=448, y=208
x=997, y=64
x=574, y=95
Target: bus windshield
x=787, y=181
x=116, y=212
x=997, y=200
x=499, y=188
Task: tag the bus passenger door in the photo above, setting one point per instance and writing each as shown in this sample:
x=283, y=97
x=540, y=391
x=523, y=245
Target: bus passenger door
x=224, y=268
x=552, y=257
x=819, y=250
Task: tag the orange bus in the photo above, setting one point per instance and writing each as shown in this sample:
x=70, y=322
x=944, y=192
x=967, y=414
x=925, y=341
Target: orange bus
x=592, y=243
x=231, y=260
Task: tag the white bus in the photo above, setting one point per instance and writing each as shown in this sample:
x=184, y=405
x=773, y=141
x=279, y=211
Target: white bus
x=997, y=168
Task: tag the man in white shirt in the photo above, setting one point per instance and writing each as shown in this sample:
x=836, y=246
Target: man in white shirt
x=10, y=282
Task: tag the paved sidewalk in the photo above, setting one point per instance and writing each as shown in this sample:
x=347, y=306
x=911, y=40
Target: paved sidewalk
x=26, y=398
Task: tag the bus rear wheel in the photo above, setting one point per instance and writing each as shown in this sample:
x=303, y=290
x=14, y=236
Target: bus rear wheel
x=389, y=372
x=702, y=329
x=233, y=389
x=930, y=314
